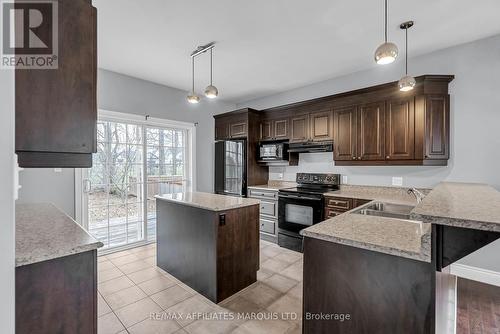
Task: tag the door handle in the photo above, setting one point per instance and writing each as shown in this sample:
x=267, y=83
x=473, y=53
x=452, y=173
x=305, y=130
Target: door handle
x=87, y=186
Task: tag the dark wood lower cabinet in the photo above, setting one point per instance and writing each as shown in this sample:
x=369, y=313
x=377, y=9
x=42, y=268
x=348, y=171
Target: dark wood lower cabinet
x=379, y=293
x=215, y=253
x=58, y=296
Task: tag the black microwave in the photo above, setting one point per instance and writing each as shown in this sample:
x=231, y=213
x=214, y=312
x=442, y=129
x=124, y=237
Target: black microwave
x=273, y=151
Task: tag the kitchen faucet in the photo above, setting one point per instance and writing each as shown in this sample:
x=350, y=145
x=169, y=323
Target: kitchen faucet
x=417, y=193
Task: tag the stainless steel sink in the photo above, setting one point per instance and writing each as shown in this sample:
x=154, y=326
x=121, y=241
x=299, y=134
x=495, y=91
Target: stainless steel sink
x=382, y=209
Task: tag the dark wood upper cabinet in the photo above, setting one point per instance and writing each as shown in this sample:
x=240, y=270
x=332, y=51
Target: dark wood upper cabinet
x=238, y=130
x=321, y=125
x=221, y=130
x=274, y=129
x=299, y=126
x=371, y=131
x=56, y=109
x=346, y=133
x=372, y=126
x=400, y=129
x=280, y=127
x=437, y=127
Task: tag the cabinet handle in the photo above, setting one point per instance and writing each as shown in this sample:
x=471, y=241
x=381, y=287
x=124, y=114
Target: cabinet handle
x=353, y=158
x=359, y=158
x=387, y=157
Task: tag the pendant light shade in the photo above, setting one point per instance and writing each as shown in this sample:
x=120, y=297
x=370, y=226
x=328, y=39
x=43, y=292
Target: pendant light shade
x=192, y=97
x=387, y=52
x=211, y=91
x=407, y=82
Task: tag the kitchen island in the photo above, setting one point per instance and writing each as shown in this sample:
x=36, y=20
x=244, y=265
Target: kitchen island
x=56, y=272
x=386, y=273
x=210, y=242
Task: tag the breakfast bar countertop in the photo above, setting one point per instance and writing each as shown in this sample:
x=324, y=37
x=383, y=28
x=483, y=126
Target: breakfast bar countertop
x=43, y=232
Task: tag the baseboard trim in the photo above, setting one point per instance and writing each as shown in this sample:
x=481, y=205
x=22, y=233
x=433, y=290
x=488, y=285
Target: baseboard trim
x=475, y=274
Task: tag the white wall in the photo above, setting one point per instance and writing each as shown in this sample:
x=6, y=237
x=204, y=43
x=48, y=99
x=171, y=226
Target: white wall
x=7, y=238
x=117, y=92
x=475, y=117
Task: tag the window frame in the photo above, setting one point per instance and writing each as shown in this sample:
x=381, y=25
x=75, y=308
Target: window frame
x=81, y=208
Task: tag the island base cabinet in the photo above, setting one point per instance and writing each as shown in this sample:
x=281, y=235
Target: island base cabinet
x=215, y=253
x=58, y=296
x=356, y=291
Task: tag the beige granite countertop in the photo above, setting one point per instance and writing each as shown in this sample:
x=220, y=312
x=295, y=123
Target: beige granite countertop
x=468, y=205
x=409, y=239
x=275, y=185
x=395, y=195
x=43, y=232
x=208, y=201
x=403, y=238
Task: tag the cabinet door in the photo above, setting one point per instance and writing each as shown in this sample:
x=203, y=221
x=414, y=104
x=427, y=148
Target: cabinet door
x=221, y=130
x=237, y=130
x=345, y=133
x=56, y=110
x=371, y=131
x=266, y=130
x=280, y=127
x=299, y=129
x=400, y=129
x=437, y=134
x=322, y=125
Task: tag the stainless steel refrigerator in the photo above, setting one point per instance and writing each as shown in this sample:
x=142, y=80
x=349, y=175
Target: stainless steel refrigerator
x=231, y=167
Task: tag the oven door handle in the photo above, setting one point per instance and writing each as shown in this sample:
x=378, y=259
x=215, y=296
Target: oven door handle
x=299, y=197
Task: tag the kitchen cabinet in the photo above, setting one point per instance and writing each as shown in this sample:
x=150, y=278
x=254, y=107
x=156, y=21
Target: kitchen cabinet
x=268, y=212
x=299, y=128
x=437, y=127
x=321, y=125
x=276, y=129
x=371, y=129
x=56, y=109
x=244, y=124
x=230, y=129
x=372, y=126
x=400, y=129
x=345, y=133
x=335, y=206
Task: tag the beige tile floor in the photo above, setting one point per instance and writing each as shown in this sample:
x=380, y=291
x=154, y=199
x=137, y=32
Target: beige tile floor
x=137, y=297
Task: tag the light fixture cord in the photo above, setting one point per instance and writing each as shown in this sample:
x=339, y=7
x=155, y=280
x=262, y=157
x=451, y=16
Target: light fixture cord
x=211, y=66
x=192, y=67
x=385, y=21
x=406, y=51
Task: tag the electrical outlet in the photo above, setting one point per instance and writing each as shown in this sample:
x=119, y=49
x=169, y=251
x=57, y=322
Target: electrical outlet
x=344, y=179
x=397, y=181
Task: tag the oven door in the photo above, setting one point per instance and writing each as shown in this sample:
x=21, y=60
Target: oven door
x=296, y=212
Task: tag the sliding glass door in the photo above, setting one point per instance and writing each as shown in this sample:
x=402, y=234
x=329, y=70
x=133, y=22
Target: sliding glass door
x=134, y=162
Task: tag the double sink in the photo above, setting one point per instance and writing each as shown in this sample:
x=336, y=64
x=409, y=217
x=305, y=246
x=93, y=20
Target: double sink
x=389, y=210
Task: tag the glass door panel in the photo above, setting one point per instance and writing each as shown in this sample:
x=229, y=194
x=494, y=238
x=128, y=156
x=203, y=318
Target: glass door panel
x=116, y=185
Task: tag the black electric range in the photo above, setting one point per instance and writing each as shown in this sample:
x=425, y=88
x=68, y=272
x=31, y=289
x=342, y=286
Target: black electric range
x=302, y=206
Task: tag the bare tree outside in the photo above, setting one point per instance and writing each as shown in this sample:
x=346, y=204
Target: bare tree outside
x=125, y=154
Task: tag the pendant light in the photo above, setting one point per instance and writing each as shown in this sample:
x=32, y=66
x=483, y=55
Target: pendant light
x=387, y=52
x=192, y=97
x=407, y=82
x=211, y=91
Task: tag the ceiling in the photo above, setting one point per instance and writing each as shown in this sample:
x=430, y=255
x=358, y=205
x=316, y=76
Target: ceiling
x=269, y=46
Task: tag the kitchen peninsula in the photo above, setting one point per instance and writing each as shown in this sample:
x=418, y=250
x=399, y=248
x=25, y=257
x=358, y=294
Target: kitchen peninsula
x=56, y=272
x=386, y=272
x=208, y=241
